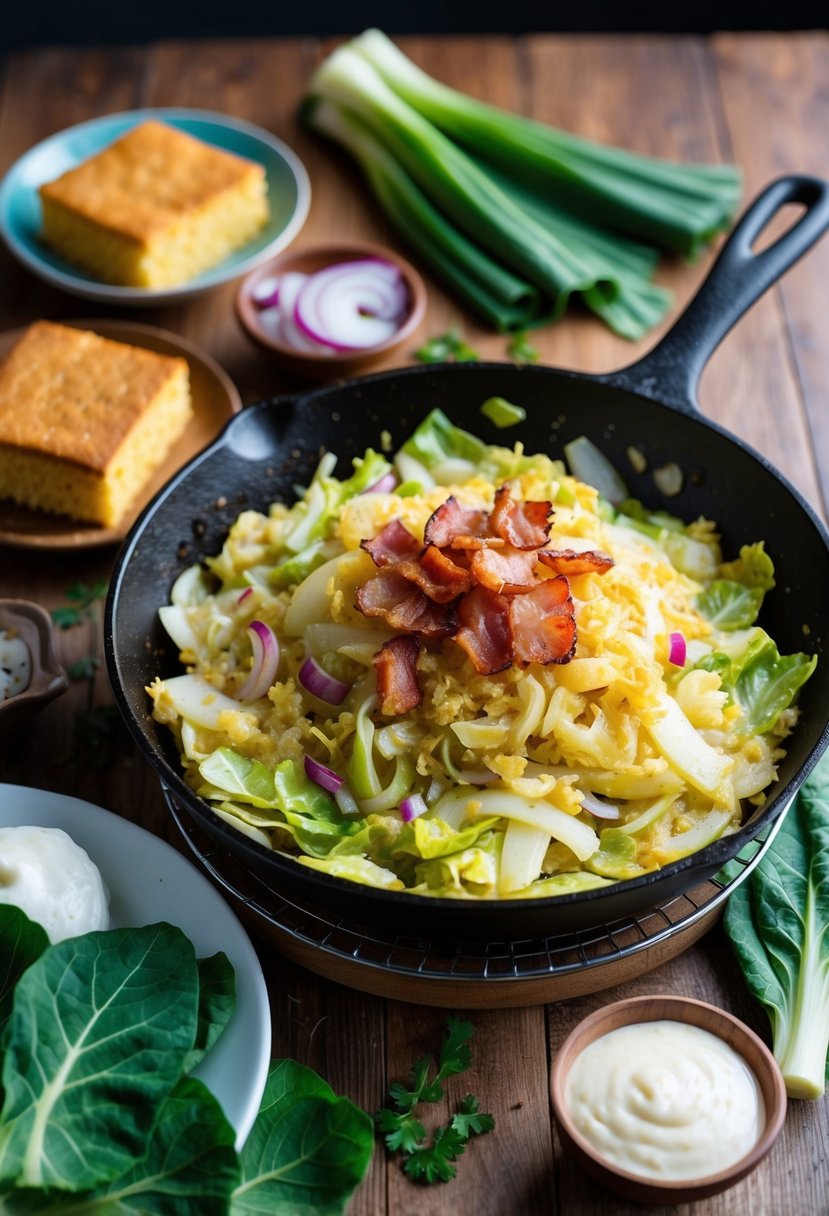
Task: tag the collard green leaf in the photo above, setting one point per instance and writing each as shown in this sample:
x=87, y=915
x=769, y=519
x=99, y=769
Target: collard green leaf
x=303, y=1158
x=190, y=1167
x=99, y=1032
x=778, y=922
x=22, y=942
x=217, y=1000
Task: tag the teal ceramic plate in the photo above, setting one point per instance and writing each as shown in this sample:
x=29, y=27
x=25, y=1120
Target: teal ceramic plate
x=148, y=881
x=20, y=216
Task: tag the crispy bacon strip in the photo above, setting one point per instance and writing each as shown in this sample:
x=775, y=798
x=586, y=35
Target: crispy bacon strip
x=524, y=525
x=451, y=520
x=570, y=561
x=484, y=630
x=437, y=575
x=390, y=595
x=508, y=571
x=464, y=541
x=393, y=543
x=396, y=666
x=543, y=623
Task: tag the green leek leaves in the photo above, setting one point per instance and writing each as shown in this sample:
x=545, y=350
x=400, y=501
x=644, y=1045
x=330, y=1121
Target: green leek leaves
x=514, y=216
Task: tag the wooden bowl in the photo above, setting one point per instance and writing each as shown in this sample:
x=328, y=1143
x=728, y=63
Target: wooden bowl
x=308, y=261
x=695, y=1013
x=31, y=623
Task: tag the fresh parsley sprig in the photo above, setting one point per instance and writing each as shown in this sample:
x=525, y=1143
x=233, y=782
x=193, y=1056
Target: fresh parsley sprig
x=404, y=1133
x=80, y=606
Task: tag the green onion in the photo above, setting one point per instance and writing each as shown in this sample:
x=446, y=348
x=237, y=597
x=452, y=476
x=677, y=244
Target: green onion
x=502, y=412
x=470, y=188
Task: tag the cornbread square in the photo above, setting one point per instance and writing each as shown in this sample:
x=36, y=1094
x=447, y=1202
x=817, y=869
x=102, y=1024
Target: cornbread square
x=155, y=208
x=84, y=420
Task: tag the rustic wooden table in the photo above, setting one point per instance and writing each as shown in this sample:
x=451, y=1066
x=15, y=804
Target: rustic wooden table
x=760, y=100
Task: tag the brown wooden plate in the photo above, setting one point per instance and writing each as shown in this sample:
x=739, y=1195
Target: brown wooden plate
x=215, y=400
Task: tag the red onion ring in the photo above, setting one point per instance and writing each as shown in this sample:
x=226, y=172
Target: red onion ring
x=248, y=591
x=316, y=680
x=322, y=776
x=265, y=662
x=677, y=650
x=266, y=292
x=352, y=305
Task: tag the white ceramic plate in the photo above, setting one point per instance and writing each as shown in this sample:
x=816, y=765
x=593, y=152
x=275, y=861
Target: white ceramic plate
x=289, y=192
x=148, y=882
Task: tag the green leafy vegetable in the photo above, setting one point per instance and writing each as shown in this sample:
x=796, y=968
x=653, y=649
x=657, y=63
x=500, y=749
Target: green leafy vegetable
x=778, y=922
x=446, y=348
x=217, y=1000
x=307, y=1150
x=432, y=1162
x=616, y=857
x=99, y=1115
x=21, y=943
x=502, y=412
x=761, y=680
x=514, y=216
x=66, y=1062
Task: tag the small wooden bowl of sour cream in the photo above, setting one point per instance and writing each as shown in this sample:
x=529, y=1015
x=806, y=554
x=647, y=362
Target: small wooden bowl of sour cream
x=663, y=1099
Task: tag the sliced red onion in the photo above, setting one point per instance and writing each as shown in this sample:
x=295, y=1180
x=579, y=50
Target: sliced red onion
x=277, y=319
x=352, y=305
x=248, y=591
x=266, y=292
x=677, y=650
x=411, y=807
x=322, y=776
x=265, y=662
x=602, y=810
x=319, y=683
x=386, y=485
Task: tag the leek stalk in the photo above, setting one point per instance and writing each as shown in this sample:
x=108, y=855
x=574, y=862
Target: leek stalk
x=515, y=217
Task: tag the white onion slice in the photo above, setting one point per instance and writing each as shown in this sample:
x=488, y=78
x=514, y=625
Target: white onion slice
x=602, y=810
x=352, y=305
x=265, y=662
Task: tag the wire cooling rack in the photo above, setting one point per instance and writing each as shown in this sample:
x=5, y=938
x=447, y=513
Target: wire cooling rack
x=367, y=958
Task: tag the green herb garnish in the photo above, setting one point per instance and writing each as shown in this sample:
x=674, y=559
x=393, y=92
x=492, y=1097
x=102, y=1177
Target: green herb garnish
x=446, y=348
x=521, y=350
x=81, y=605
x=404, y=1133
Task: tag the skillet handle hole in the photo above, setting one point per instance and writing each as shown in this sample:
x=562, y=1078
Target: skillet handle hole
x=781, y=222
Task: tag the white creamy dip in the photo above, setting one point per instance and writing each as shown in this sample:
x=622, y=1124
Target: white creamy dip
x=53, y=880
x=15, y=665
x=665, y=1100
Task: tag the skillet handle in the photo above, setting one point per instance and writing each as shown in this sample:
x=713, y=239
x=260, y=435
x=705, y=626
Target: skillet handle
x=671, y=371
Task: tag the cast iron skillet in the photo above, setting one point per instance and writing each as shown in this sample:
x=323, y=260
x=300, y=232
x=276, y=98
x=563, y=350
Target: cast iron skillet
x=270, y=447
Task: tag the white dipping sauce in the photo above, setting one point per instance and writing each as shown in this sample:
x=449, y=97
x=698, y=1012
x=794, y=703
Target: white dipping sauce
x=15, y=665
x=52, y=879
x=665, y=1100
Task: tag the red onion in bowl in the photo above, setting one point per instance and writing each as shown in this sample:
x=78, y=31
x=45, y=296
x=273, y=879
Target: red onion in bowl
x=265, y=662
x=352, y=305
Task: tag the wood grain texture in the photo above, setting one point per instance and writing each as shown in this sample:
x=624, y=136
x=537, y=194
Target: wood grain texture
x=761, y=99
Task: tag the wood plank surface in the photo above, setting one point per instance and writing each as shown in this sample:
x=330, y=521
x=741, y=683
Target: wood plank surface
x=759, y=99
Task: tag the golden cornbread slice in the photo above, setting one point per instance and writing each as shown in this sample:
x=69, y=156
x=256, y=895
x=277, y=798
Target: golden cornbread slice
x=84, y=420
x=155, y=208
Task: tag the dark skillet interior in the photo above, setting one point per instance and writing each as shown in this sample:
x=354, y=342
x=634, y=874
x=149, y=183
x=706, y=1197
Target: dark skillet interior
x=270, y=448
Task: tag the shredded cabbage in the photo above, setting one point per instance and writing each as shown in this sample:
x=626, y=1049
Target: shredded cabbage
x=502, y=762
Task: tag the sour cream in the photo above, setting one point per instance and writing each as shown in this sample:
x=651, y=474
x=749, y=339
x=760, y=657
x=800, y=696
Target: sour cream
x=15, y=665
x=665, y=1100
x=53, y=880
